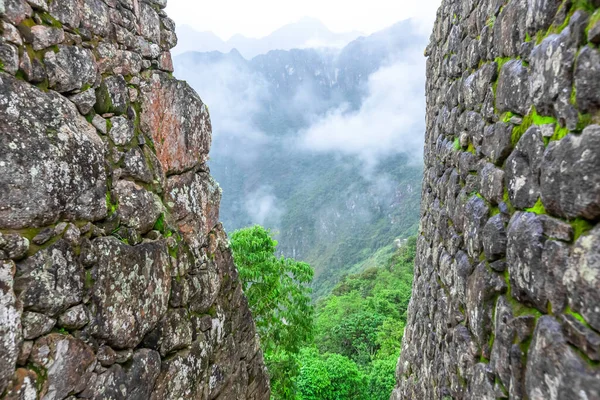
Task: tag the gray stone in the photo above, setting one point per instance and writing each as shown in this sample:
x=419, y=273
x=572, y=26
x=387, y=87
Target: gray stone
x=482, y=289
x=34, y=70
x=131, y=290
x=36, y=325
x=555, y=260
x=540, y=14
x=497, y=143
x=570, y=181
x=10, y=33
x=138, y=208
x=9, y=58
x=554, y=370
x=134, y=382
x=476, y=215
x=84, y=101
x=106, y=356
x=10, y=324
x=32, y=152
x=523, y=169
x=582, y=278
x=69, y=363
x=581, y=337
x=492, y=183
x=67, y=12
x=509, y=28
x=112, y=95
x=15, y=11
x=15, y=246
x=74, y=318
x=39, y=4
x=122, y=130
x=180, y=143
x=193, y=201
x=136, y=167
x=70, y=68
x=100, y=124
x=172, y=333
x=587, y=80
x=503, y=341
x=50, y=281
x=149, y=23
x=594, y=32
x=45, y=36
x=512, y=93
x=95, y=17
x=494, y=237
x=524, y=256
x=44, y=235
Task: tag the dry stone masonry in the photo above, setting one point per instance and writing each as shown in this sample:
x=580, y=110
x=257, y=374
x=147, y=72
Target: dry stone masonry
x=116, y=279
x=506, y=296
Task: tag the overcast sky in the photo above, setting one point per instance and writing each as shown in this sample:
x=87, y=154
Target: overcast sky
x=258, y=18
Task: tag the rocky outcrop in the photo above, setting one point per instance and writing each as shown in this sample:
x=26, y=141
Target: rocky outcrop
x=116, y=278
x=507, y=276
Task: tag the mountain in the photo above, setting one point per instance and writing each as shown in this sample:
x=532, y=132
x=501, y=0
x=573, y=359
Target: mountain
x=320, y=145
x=305, y=33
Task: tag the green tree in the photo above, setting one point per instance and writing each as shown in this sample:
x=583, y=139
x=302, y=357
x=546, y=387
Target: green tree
x=278, y=294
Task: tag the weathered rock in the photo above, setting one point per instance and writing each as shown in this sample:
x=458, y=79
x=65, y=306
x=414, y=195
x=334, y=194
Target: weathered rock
x=173, y=332
x=10, y=324
x=9, y=57
x=14, y=246
x=149, y=23
x=36, y=325
x=582, y=337
x=512, y=93
x=84, y=101
x=95, y=17
x=523, y=169
x=131, y=290
x=570, y=182
x=497, y=143
x=587, y=80
x=122, y=130
x=135, y=381
x=494, y=237
x=554, y=369
x=112, y=95
x=138, y=208
x=582, y=278
x=492, y=183
x=45, y=36
x=68, y=362
x=476, y=215
x=50, y=281
x=177, y=121
x=193, y=200
x=68, y=12
x=74, y=318
x=136, y=167
x=23, y=386
x=70, y=68
x=509, y=29
x=482, y=288
x=33, y=153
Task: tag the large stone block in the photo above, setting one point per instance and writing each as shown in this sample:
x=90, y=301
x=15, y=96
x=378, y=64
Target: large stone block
x=49, y=153
x=131, y=290
x=176, y=120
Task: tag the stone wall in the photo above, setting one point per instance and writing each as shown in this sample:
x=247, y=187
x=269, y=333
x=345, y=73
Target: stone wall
x=506, y=296
x=116, y=279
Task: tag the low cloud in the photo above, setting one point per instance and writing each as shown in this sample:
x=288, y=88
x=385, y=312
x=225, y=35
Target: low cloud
x=263, y=207
x=390, y=120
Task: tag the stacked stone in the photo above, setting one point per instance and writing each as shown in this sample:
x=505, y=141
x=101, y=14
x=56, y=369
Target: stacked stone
x=506, y=296
x=116, y=279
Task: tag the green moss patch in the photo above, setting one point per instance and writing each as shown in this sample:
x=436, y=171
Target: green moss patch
x=580, y=226
x=538, y=208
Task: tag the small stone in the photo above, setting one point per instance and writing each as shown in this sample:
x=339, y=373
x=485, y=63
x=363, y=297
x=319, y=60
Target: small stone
x=494, y=237
x=39, y=4
x=36, y=325
x=512, y=93
x=70, y=68
x=594, y=32
x=556, y=229
x=497, y=143
x=15, y=246
x=587, y=80
x=42, y=237
x=112, y=96
x=33, y=69
x=100, y=124
x=122, y=131
x=106, y=356
x=11, y=34
x=492, y=183
x=24, y=352
x=45, y=36
x=135, y=166
x=582, y=337
x=123, y=356
x=138, y=208
x=523, y=169
x=84, y=101
x=74, y=318
x=165, y=62
x=67, y=12
x=9, y=57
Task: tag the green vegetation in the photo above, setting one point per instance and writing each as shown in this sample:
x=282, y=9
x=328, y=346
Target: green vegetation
x=279, y=297
x=347, y=346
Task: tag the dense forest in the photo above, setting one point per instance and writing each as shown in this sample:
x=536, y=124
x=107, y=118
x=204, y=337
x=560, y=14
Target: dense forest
x=343, y=346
